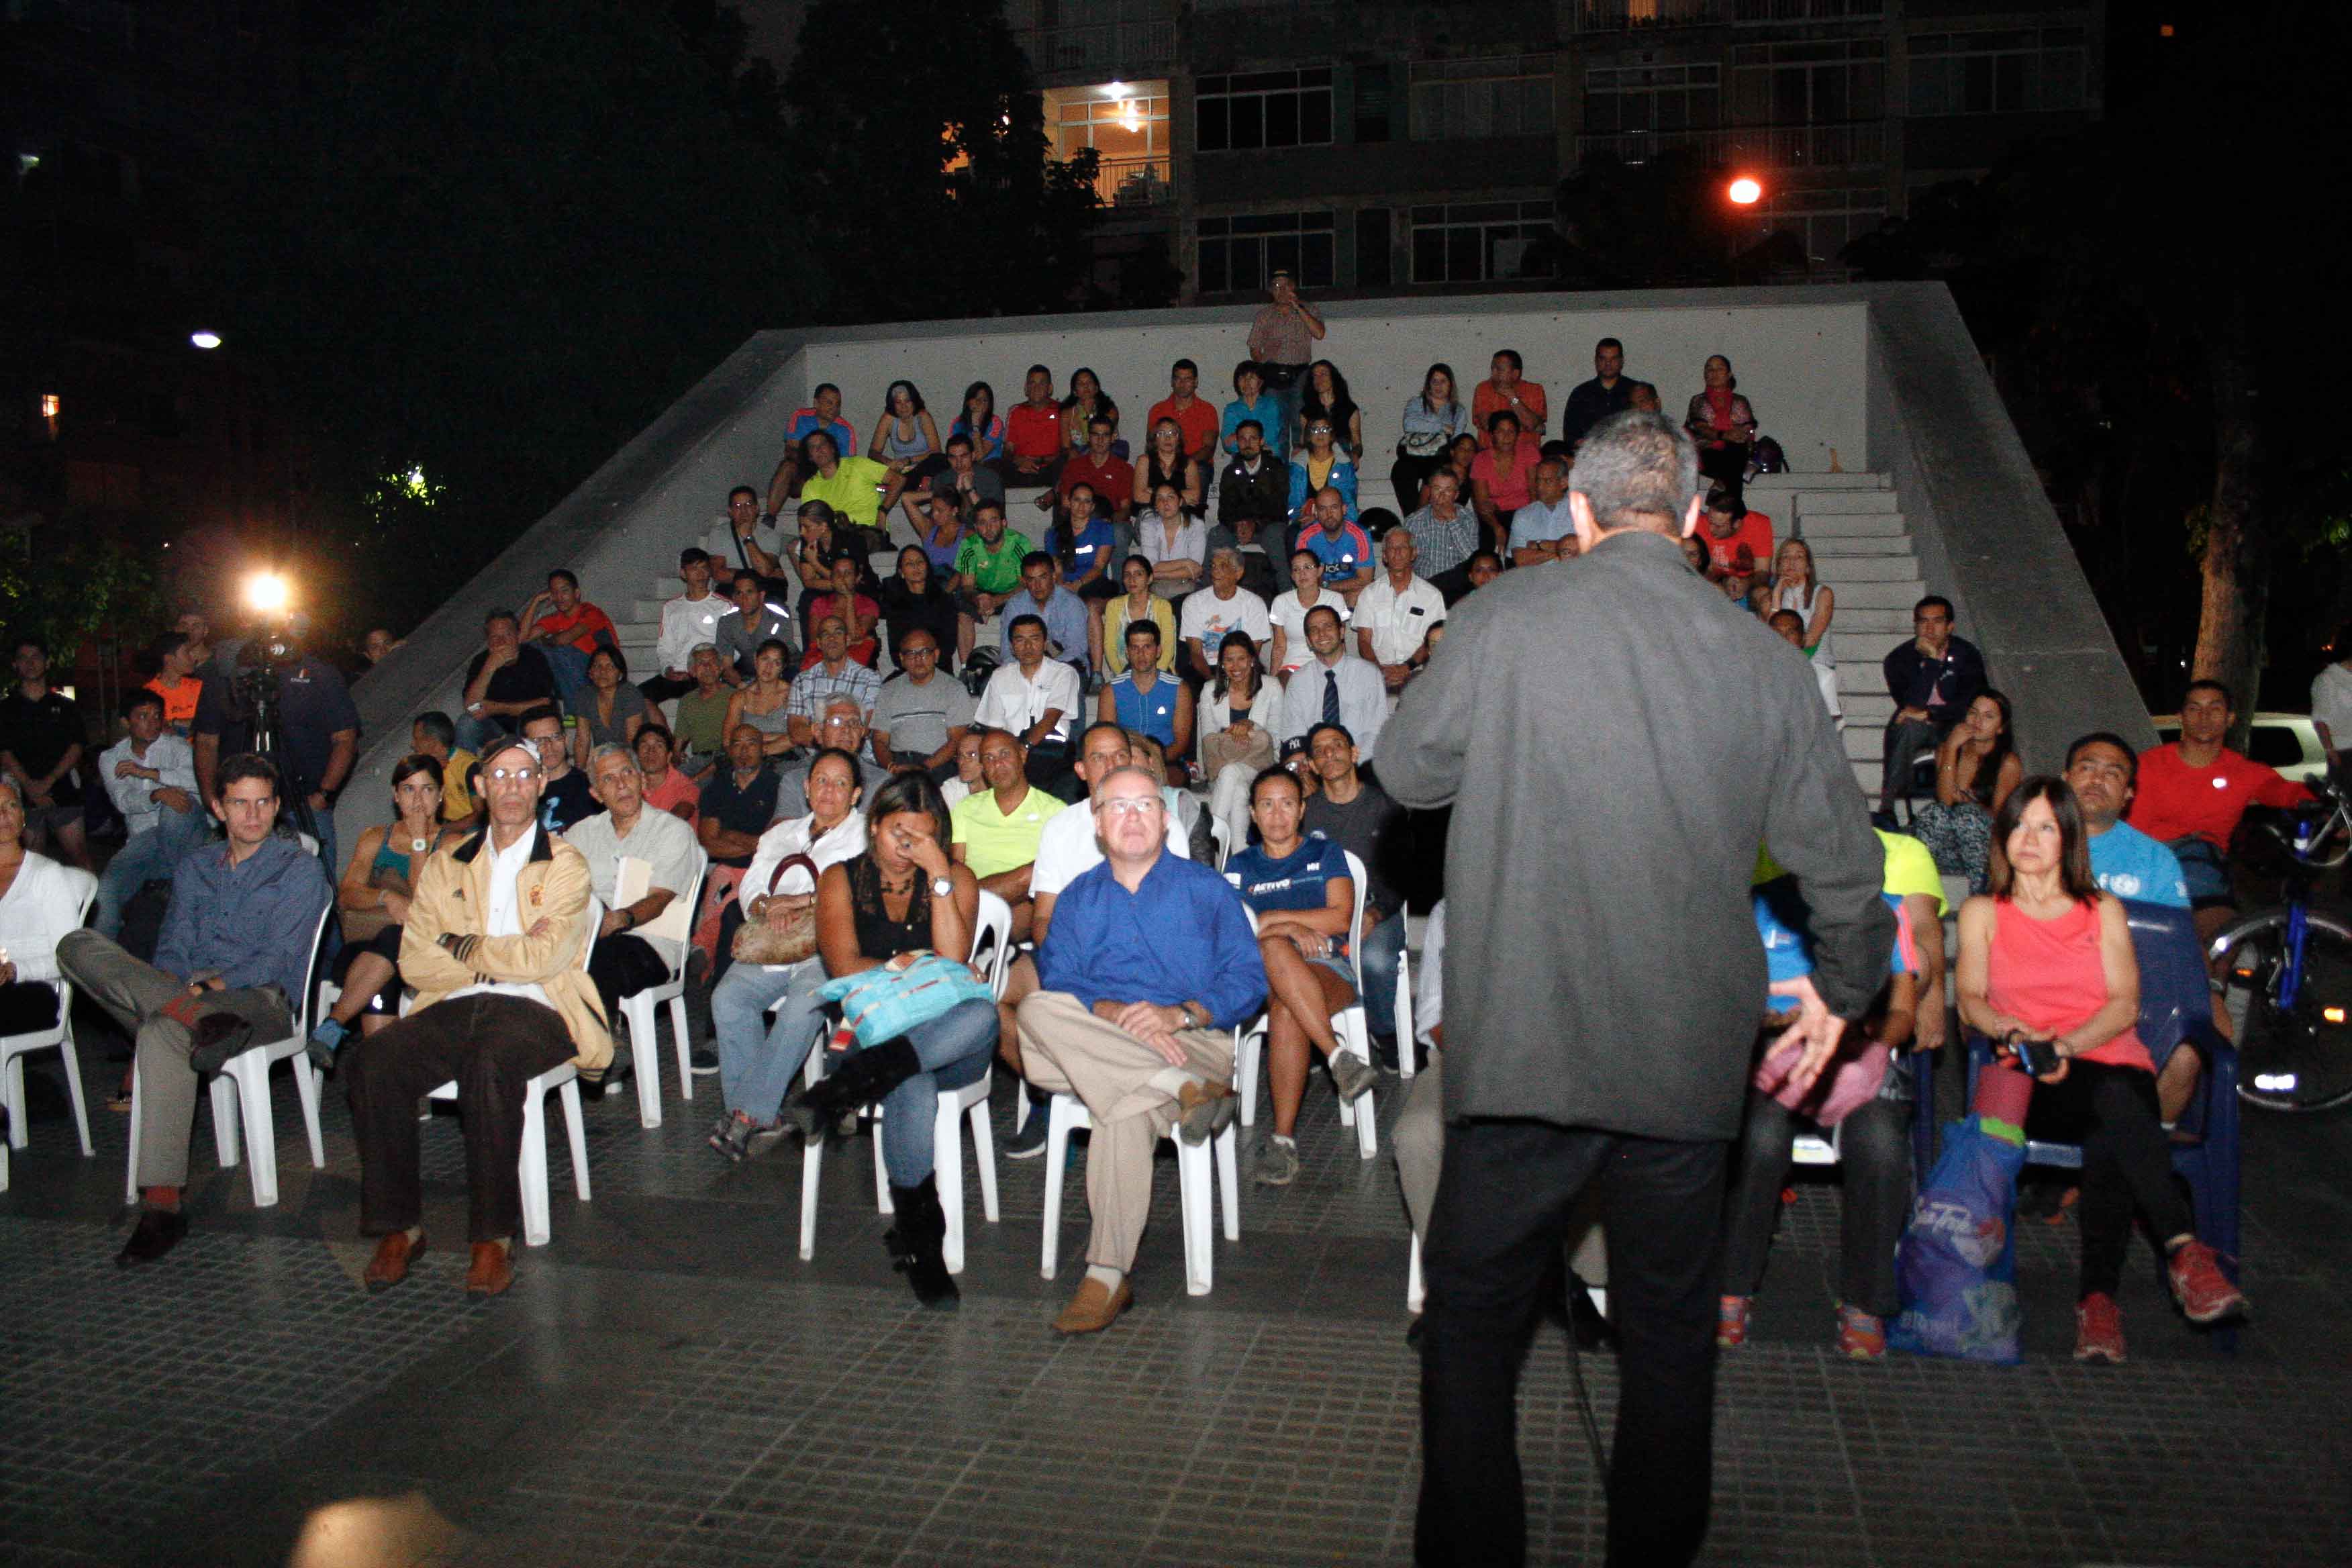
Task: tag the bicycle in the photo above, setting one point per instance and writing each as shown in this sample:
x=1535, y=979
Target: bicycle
x=2292, y=964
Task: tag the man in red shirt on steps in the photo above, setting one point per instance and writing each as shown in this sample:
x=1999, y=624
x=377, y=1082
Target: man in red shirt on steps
x=2193, y=794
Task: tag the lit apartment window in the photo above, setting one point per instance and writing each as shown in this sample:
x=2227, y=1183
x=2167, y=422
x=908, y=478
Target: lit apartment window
x=1480, y=242
x=1815, y=82
x=1509, y=95
x=1126, y=123
x=1238, y=254
x=1997, y=73
x=1263, y=109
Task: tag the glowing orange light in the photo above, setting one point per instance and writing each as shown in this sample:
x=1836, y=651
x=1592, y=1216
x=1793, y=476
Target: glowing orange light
x=1744, y=191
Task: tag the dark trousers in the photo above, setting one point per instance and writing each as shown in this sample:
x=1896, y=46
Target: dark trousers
x=2127, y=1161
x=622, y=966
x=1503, y=1204
x=492, y=1045
x=1874, y=1160
x=1905, y=740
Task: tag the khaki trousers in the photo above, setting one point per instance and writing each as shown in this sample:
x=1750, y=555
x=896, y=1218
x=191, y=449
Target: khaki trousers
x=1418, y=1142
x=1064, y=1049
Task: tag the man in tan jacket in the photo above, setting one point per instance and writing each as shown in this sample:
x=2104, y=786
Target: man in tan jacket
x=492, y=944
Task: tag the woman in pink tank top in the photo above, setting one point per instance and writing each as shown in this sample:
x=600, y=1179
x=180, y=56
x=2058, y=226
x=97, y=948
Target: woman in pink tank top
x=2046, y=956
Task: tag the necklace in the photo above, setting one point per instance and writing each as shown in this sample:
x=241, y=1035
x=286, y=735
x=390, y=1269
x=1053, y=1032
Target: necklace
x=889, y=887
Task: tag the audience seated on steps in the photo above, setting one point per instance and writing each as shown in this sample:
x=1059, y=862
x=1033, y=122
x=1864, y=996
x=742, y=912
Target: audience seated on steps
x=569, y=631
x=234, y=955
x=687, y=622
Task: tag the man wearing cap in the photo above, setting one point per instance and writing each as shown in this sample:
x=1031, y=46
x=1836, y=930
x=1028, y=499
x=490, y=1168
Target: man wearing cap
x=492, y=943
x=688, y=621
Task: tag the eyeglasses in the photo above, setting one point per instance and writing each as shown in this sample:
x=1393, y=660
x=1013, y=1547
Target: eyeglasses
x=1318, y=429
x=1130, y=806
x=919, y=653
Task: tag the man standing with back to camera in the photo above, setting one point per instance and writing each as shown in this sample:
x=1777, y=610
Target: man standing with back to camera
x=1582, y=1045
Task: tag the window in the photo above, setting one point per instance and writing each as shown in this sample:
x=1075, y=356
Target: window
x=1375, y=96
x=1263, y=109
x=1751, y=11
x=1826, y=220
x=1478, y=242
x=1127, y=125
x=1373, y=267
x=1238, y=254
x=1652, y=98
x=1997, y=73
x=1808, y=83
x=1507, y=96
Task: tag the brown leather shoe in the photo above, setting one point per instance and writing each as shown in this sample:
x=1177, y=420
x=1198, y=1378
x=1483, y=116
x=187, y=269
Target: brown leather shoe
x=1198, y=1108
x=1092, y=1309
x=392, y=1256
x=491, y=1272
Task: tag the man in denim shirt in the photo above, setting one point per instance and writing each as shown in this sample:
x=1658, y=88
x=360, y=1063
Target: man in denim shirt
x=229, y=974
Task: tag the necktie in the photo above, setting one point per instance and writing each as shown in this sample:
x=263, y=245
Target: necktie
x=1330, y=696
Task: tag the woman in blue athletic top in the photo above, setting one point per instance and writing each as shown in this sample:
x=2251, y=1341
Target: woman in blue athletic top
x=1303, y=896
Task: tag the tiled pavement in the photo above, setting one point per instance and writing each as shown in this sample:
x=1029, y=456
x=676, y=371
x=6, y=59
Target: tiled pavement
x=668, y=1383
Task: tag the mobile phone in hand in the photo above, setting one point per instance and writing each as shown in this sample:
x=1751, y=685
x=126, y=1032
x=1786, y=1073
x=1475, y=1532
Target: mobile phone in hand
x=2036, y=1059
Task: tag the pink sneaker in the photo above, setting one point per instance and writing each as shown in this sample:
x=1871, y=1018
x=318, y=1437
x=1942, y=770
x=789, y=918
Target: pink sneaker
x=1731, y=1322
x=2099, y=1329
x=1860, y=1336
x=2204, y=1292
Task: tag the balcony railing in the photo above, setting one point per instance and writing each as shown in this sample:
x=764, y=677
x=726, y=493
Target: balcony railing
x=1763, y=13
x=1752, y=146
x=1111, y=48
x=1640, y=15
x=1132, y=184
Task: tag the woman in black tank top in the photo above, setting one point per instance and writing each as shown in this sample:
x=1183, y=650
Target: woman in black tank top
x=903, y=895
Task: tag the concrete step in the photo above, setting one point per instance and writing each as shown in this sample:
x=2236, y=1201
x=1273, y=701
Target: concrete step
x=1819, y=503
x=1780, y=484
x=1867, y=626
x=1866, y=774
x=1873, y=709
x=650, y=611
x=1863, y=676
x=1865, y=569
x=1830, y=547
x=1851, y=525
x=1899, y=594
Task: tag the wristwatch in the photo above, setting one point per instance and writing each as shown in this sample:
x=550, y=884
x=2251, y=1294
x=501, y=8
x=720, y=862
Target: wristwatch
x=942, y=886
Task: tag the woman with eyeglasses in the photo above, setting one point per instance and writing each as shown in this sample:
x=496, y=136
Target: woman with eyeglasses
x=1324, y=464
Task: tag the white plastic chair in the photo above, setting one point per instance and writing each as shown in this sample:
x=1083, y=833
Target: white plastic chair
x=1349, y=1024
x=676, y=923
x=565, y=1079
x=240, y=1095
x=992, y=942
x=1222, y=835
x=1067, y=1114
x=58, y=1036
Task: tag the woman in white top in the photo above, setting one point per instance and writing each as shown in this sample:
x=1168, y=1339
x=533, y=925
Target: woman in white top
x=1236, y=731
x=1288, y=613
x=40, y=900
x=1174, y=543
x=1794, y=587
x=757, y=1062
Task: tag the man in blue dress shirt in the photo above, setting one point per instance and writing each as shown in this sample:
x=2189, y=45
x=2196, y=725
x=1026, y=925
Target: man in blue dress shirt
x=1149, y=965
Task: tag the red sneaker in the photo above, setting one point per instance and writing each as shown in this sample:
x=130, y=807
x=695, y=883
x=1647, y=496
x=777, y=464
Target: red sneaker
x=1731, y=1322
x=2204, y=1292
x=2099, y=1329
x=1860, y=1336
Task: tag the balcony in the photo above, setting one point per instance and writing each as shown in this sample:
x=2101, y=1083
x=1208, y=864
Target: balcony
x=1134, y=185
x=1645, y=16
x=1105, y=48
x=1766, y=13
x=1860, y=144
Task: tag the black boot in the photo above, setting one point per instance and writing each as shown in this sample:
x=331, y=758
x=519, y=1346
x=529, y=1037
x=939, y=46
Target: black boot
x=915, y=1244
x=864, y=1077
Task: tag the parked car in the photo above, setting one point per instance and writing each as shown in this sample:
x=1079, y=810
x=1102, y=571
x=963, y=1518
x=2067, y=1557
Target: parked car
x=2285, y=741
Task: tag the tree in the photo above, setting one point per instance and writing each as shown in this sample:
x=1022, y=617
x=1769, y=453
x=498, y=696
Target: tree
x=1664, y=221
x=488, y=241
x=924, y=177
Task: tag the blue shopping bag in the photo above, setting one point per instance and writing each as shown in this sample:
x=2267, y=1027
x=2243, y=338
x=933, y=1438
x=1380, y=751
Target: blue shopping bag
x=1957, y=1263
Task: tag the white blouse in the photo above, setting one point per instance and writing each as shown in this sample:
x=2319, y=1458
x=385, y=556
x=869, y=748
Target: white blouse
x=40, y=906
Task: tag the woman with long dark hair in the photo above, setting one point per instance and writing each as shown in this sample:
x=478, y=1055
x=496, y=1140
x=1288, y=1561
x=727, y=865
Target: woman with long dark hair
x=2046, y=962
x=1722, y=423
x=1976, y=768
x=1434, y=418
x=1087, y=402
x=373, y=896
x=1326, y=397
x=916, y=599
x=903, y=439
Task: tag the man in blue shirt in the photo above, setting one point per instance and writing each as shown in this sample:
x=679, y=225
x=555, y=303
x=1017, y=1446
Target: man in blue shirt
x=1149, y=965
x=2101, y=769
x=229, y=971
x=1063, y=613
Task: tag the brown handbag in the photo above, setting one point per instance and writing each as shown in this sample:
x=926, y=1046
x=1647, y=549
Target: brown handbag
x=791, y=939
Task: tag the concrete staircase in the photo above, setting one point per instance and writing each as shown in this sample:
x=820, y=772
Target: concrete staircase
x=1853, y=522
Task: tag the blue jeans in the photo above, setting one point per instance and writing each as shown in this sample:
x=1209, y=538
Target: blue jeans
x=1382, y=949
x=962, y=1036
x=571, y=668
x=149, y=856
x=476, y=733
x=1285, y=434
x=757, y=1061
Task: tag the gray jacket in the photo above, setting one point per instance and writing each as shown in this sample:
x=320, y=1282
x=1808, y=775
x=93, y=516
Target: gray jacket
x=1616, y=748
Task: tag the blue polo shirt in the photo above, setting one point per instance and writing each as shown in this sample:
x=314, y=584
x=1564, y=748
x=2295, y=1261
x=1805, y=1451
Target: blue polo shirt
x=2131, y=864
x=1299, y=881
x=1344, y=554
x=1183, y=935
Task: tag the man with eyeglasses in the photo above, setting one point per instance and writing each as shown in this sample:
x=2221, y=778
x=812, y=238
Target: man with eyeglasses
x=843, y=724
x=833, y=677
x=492, y=945
x=1149, y=965
x=919, y=718
x=756, y=536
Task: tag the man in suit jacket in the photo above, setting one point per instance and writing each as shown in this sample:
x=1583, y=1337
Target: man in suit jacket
x=1615, y=748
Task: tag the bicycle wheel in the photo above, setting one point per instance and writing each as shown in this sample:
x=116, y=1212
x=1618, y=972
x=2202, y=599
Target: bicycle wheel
x=2292, y=1054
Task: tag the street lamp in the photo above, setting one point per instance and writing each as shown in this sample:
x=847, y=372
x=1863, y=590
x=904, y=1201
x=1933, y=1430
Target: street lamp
x=1744, y=192
x=204, y=338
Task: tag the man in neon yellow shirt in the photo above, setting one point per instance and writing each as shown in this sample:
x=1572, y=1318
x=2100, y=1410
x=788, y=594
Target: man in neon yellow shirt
x=997, y=830
x=848, y=485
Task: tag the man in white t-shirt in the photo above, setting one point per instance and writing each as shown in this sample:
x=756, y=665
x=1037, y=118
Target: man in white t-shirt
x=1395, y=615
x=2331, y=699
x=1226, y=606
x=1035, y=697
